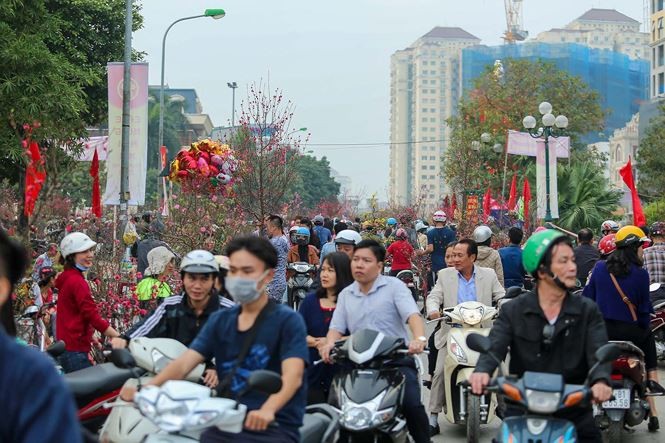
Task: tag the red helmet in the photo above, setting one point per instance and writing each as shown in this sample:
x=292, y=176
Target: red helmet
x=607, y=244
x=401, y=234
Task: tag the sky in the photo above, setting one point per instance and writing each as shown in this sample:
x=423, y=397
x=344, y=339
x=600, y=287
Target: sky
x=331, y=59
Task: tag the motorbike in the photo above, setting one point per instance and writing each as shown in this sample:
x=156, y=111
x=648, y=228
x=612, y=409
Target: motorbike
x=148, y=357
x=540, y=395
x=367, y=392
x=180, y=410
x=412, y=281
x=629, y=407
x=300, y=282
x=657, y=293
x=31, y=326
x=463, y=408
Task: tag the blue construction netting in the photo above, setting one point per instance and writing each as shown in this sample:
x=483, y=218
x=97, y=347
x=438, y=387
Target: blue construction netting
x=622, y=83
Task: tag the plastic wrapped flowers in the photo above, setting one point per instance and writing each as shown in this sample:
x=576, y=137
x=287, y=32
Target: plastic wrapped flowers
x=206, y=162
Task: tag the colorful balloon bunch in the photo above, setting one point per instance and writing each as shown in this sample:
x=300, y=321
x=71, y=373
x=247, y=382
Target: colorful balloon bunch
x=206, y=159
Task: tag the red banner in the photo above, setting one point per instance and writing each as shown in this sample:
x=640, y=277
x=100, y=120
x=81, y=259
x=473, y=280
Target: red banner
x=472, y=203
x=96, y=197
x=626, y=172
x=35, y=176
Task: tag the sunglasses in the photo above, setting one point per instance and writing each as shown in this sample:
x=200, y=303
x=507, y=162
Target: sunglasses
x=548, y=337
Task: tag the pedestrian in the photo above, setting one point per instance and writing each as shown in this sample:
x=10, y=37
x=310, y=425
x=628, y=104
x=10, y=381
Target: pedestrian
x=487, y=257
x=45, y=260
x=401, y=253
x=275, y=231
x=154, y=288
x=322, y=232
x=654, y=255
x=586, y=255
x=511, y=259
x=437, y=241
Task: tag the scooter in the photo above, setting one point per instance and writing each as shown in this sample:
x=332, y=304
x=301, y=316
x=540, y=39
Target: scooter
x=300, y=282
x=180, y=410
x=657, y=293
x=411, y=280
x=540, y=395
x=367, y=392
x=629, y=407
x=148, y=356
x=463, y=408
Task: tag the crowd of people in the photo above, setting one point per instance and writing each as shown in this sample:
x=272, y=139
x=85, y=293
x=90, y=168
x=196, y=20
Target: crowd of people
x=231, y=313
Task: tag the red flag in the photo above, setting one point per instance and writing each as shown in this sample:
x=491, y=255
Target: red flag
x=626, y=172
x=487, y=203
x=512, y=199
x=526, y=195
x=96, y=199
x=35, y=176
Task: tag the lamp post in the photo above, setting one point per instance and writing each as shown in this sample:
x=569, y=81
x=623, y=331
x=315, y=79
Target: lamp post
x=212, y=13
x=552, y=127
x=233, y=86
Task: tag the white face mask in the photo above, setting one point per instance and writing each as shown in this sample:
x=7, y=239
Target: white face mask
x=244, y=290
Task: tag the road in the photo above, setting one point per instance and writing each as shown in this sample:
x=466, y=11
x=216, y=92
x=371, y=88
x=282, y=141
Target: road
x=455, y=433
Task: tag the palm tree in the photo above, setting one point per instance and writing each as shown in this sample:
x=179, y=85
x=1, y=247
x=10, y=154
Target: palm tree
x=585, y=199
x=174, y=123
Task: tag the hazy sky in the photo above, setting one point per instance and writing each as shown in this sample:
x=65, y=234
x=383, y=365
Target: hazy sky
x=332, y=59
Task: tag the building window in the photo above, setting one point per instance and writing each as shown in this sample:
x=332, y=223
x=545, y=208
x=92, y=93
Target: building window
x=653, y=57
x=432, y=167
x=431, y=177
x=661, y=83
x=660, y=28
x=423, y=167
x=661, y=55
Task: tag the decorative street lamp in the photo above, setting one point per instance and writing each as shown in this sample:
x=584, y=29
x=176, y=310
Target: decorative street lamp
x=552, y=127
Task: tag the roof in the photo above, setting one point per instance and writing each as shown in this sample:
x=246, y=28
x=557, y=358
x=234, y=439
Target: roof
x=189, y=94
x=451, y=33
x=605, y=15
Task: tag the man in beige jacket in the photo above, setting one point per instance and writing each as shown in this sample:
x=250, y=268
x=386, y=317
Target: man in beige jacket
x=464, y=281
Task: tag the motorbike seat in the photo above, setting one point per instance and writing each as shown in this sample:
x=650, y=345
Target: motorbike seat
x=313, y=427
x=90, y=383
x=630, y=348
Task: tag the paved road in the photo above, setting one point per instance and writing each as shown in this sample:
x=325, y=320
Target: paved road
x=456, y=433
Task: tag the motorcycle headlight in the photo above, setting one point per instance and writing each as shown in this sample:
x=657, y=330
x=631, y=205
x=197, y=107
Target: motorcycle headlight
x=542, y=402
x=472, y=316
x=457, y=351
x=366, y=415
x=302, y=268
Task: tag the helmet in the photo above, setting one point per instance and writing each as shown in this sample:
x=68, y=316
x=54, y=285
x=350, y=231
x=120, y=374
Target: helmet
x=420, y=226
x=536, y=247
x=609, y=225
x=302, y=236
x=318, y=219
x=75, y=242
x=630, y=235
x=348, y=237
x=440, y=216
x=481, y=234
x=293, y=229
x=199, y=262
x=30, y=311
x=401, y=233
x=607, y=244
x=391, y=221
x=540, y=229
x=46, y=272
x=658, y=228
x=222, y=261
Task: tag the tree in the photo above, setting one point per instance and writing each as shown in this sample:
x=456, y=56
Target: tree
x=650, y=158
x=499, y=100
x=268, y=154
x=313, y=182
x=174, y=123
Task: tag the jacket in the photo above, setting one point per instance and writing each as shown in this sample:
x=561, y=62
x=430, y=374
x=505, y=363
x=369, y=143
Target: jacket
x=586, y=257
x=511, y=262
x=175, y=319
x=312, y=255
x=489, y=258
x=578, y=332
x=444, y=293
x=77, y=313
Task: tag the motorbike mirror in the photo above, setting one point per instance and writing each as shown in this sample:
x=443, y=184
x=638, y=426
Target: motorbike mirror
x=479, y=343
x=122, y=358
x=266, y=382
x=513, y=292
x=608, y=353
x=56, y=349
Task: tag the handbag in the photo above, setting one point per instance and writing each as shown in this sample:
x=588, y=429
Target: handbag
x=624, y=298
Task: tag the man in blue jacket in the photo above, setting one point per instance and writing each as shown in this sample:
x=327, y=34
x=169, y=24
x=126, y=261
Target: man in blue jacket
x=36, y=405
x=511, y=259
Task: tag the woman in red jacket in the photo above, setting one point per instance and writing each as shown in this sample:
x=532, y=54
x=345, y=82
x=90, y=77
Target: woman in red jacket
x=77, y=313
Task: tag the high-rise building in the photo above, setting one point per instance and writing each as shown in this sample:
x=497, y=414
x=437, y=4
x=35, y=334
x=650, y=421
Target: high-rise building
x=603, y=29
x=657, y=44
x=425, y=86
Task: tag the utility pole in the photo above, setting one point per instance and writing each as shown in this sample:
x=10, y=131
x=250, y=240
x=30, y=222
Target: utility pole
x=126, y=99
x=233, y=86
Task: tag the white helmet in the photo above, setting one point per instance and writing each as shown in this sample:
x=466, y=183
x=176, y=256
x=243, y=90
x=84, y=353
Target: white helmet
x=75, y=242
x=481, y=234
x=348, y=237
x=420, y=225
x=199, y=262
x=440, y=216
x=609, y=225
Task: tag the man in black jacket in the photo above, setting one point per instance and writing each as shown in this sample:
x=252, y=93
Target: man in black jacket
x=586, y=255
x=551, y=330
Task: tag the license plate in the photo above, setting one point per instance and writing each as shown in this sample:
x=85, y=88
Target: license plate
x=621, y=400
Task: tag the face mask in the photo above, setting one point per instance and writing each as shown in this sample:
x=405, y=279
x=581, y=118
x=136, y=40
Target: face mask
x=81, y=267
x=244, y=290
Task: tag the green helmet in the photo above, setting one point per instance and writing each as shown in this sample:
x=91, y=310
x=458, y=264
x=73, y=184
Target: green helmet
x=536, y=247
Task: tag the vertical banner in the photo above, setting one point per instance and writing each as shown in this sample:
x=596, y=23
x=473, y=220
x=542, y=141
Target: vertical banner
x=540, y=182
x=138, y=138
x=472, y=208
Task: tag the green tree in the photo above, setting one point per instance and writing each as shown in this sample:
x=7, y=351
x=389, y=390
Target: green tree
x=650, y=159
x=313, y=181
x=174, y=123
x=499, y=100
x=655, y=211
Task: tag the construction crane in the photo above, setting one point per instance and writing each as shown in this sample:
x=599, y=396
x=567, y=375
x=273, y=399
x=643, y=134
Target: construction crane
x=515, y=31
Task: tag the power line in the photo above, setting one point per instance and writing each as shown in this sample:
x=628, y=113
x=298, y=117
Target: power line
x=376, y=143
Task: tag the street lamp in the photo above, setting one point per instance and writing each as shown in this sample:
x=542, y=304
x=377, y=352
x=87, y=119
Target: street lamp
x=552, y=127
x=297, y=130
x=212, y=13
x=233, y=86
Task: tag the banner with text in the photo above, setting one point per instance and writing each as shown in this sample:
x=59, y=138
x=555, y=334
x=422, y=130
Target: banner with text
x=138, y=138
